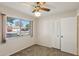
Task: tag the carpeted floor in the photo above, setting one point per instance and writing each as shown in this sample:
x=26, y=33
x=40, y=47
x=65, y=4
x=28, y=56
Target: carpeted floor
x=37, y=50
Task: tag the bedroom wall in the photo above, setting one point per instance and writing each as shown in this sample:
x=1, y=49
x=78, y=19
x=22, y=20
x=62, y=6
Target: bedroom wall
x=43, y=31
x=46, y=28
x=16, y=44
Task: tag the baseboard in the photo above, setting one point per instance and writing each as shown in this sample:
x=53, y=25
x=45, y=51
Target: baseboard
x=45, y=45
x=19, y=50
x=27, y=47
x=32, y=45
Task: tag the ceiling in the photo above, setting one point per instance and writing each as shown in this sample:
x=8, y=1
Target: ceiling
x=56, y=7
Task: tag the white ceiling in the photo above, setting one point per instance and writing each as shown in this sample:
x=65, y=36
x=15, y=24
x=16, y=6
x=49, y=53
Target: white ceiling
x=56, y=7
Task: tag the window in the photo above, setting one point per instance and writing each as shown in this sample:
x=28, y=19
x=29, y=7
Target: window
x=18, y=27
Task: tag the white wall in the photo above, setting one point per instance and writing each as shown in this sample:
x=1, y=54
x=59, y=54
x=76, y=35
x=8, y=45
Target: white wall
x=45, y=31
x=15, y=44
x=78, y=12
x=46, y=28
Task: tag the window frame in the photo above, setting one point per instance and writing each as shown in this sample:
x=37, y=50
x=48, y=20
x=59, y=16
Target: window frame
x=31, y=27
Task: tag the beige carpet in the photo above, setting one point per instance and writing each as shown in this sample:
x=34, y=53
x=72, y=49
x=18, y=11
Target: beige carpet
x=37, y=50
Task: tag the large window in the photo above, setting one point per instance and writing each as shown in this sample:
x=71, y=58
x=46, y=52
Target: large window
x=18, y=27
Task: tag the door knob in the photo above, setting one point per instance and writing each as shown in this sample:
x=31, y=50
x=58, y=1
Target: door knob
x=62, y=36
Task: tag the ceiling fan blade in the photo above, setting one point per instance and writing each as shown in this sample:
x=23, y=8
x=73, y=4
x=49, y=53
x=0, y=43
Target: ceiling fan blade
x=33, y=11
x=45, y=9
x=40, y=3
x=37, y=2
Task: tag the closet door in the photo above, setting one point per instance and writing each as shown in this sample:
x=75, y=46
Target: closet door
x=69, y=35
x=57, y=30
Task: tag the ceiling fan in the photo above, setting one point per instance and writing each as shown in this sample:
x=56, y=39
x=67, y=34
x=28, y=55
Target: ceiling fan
x=37, y=7
x=40, y=7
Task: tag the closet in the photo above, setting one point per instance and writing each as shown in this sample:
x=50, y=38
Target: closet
x=66, y=34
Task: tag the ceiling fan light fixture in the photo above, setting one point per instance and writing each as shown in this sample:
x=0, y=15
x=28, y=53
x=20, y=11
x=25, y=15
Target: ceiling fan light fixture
x=37, y=14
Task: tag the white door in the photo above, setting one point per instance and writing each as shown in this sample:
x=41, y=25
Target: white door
x=69, y=35
x=57, y=30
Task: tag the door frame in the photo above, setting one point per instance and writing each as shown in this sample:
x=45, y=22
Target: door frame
x=77, y=35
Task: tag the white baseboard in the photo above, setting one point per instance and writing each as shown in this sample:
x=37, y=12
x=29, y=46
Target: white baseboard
x=19, y=50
